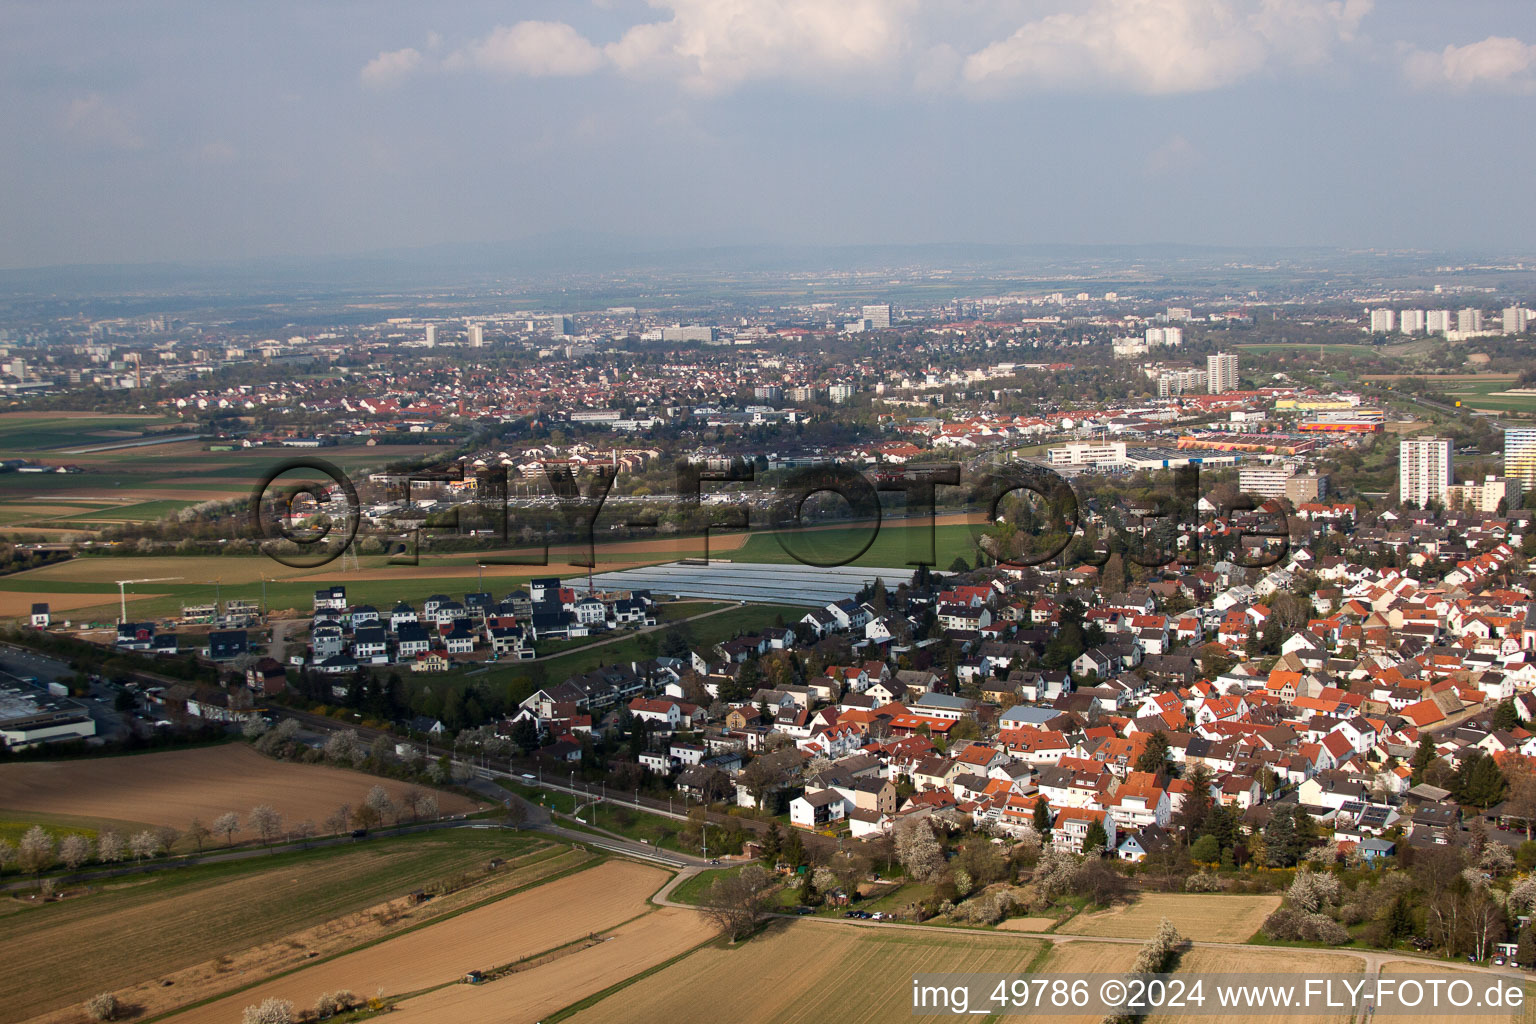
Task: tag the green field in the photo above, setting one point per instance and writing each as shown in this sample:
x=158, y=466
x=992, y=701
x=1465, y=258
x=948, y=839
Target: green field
x=42, y=432
x=705, y=632
x=1485, y=395
x=893, y=545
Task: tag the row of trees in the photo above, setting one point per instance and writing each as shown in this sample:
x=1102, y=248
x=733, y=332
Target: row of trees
x=38, y=851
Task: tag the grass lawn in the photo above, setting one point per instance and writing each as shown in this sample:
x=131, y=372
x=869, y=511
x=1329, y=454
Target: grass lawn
x=638, y=647
x=893, y=545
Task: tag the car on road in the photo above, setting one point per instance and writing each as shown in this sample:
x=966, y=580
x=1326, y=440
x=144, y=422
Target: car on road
x=359, y=833
x=529, y=778
x=802, y=911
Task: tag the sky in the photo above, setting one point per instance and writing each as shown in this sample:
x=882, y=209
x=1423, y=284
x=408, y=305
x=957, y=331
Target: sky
x=215, y=130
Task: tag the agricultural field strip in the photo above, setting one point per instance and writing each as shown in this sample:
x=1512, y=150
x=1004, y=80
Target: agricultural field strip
x=121, y=931
x=503, y=932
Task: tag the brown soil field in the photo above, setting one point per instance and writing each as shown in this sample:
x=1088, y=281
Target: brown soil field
x=1270, y=961
x=238, y=929
x=533, y=994
x=1479, y=981
x=1088, y=958
x=503, y=932
x=804, y=971
x=1026, y=924
x=15, y=602
x=1203, y=917
x=174, y=786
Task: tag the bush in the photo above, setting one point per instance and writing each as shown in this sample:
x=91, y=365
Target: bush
x=1203, y=881
x=1291, y=925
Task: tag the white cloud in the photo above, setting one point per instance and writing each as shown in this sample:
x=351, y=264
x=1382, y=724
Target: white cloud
x=391, y=67
x=1498, y=62
x=93, y=120
x=1164, y=46
x=535, y=48
x=714, y=45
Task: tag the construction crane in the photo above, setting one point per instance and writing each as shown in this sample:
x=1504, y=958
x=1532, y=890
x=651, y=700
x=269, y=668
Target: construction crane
x=122, y=593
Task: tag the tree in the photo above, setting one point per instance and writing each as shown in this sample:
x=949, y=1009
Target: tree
x=1520, y=802
x=269, y=1011
x=762, y=776
x=1205, y=850
x=1100, y=882
x=1504, y=715
x=1197, y=803
x=378, y=799
x=103, y=1006
x=1113, y=574
x=1398, y=923
x=34, y=854
x=1423, y=756
x=526, y=735
x=737, y=903
x=7, y=853
x=198, y=833
x=1042, y=819
x=167, y=836
x=1280, y=843
x=265, y=821
x=1478, y=782
x=226, y=825
x=918, y=849
x=1096, y=839
x=1154, y=756
x=74, y=850
x=110, y=847
x=772, y=842
x=144, y=844
x=365, y=817
x=1525, y=947
x=339, y=819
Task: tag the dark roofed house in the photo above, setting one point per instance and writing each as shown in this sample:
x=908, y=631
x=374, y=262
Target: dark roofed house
x=227, y=644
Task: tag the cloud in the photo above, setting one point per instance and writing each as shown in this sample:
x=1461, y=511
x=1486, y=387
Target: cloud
x=93, y=120
x=1162, y=47
x=1497, y=63
x=533, y=48
x=714, y=45
x=391, y=67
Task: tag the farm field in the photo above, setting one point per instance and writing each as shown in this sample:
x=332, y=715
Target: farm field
x=1271, y=961
x=118, y=936
x=541, y=990
x=172, y=787
x=550, y=915
x=1088, y=958
x=804, y=971
x=1401, y=968
x=1203, y=917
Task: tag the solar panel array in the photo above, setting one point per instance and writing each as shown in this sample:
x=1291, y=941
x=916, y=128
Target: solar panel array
x=754, y=582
